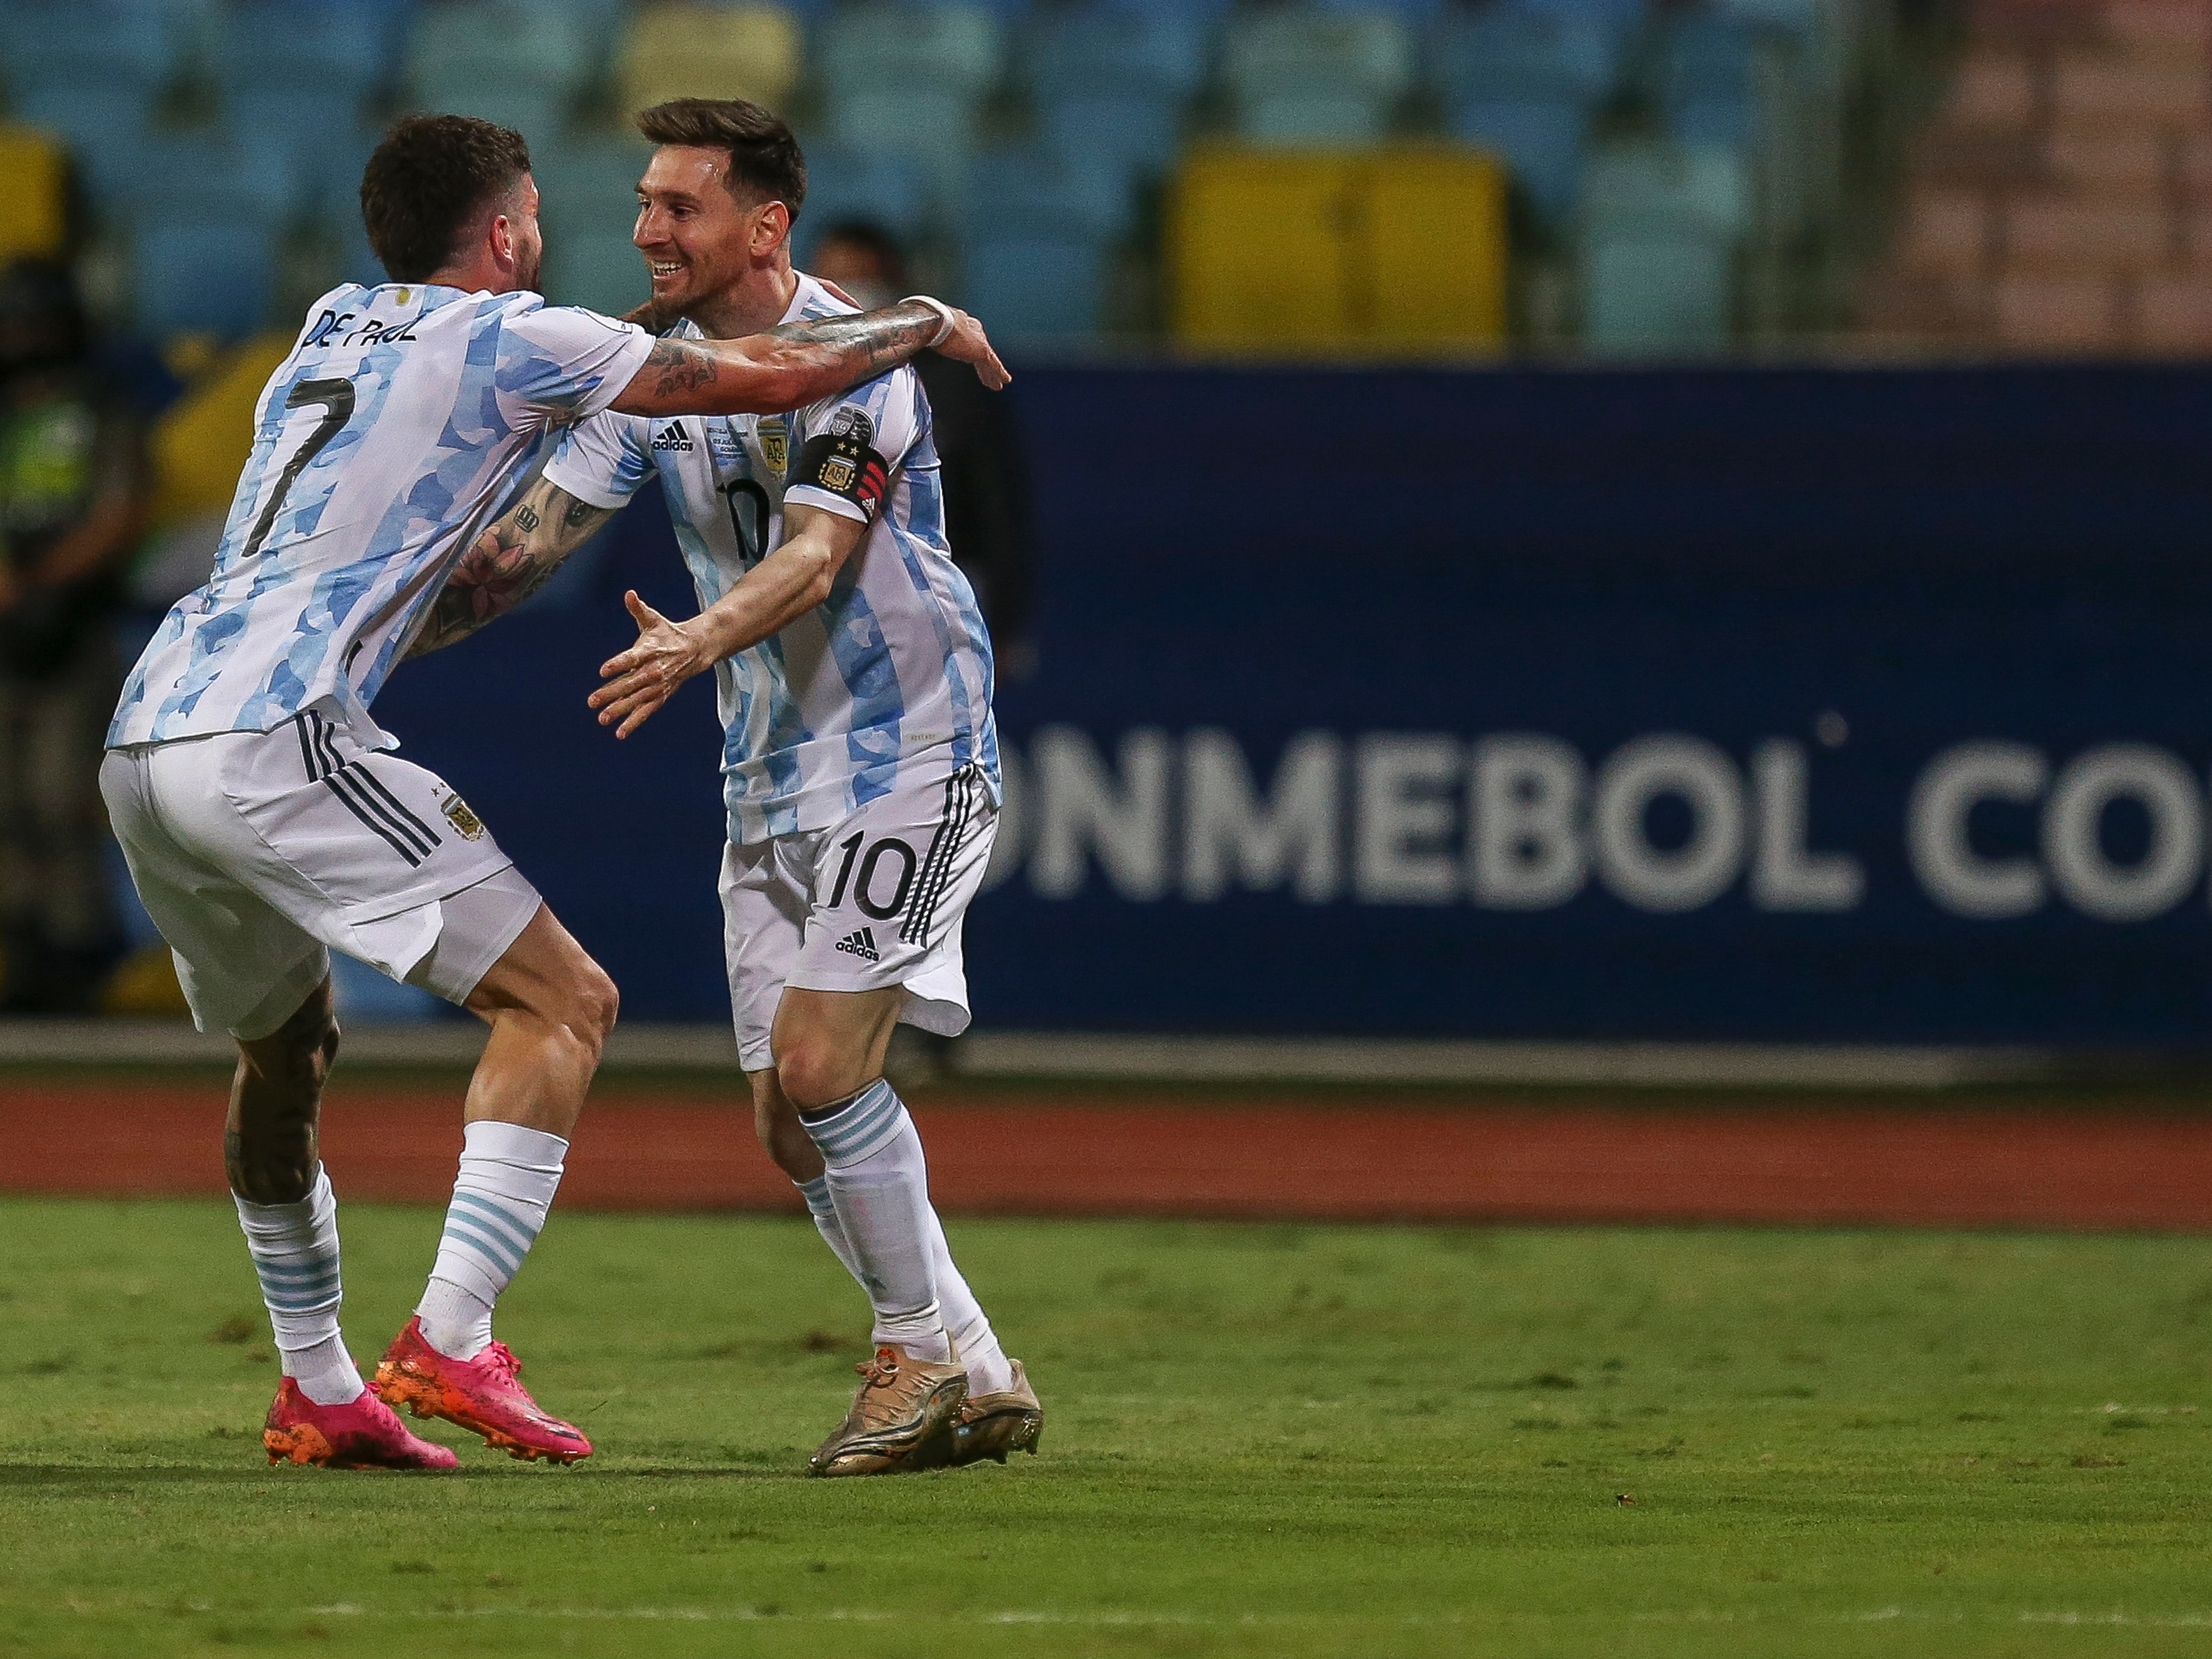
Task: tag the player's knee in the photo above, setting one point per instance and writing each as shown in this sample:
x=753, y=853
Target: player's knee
x=596, y=1003
x=815, y=1073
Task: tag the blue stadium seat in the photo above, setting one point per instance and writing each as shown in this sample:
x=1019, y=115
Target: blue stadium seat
x=904, y=78
x=1522, y=82
x=104, y=127
x=1301, y=74
x=212, y=274
x=596, y=266
x=885, y=190
x=1036, y=235
x=509, y=61
x=1110, y=81
x=1660, y=225
x=105, y=42
x=1707, y=83
x=308, y=47
x=212, y=174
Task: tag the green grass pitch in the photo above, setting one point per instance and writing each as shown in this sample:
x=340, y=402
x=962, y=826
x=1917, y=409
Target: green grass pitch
x=1262, y=1440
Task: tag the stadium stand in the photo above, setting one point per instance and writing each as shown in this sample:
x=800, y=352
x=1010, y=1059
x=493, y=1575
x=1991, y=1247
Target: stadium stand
x=2035, y=217
x=1662, y=224
x=2053, y=207
x=682, y=50
x=1350, y=250
x=1306, y=76
x=34, y=195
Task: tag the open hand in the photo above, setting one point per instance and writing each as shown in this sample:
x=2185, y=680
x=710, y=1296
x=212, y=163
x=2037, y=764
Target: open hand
x=967, y=343
x=641, y=679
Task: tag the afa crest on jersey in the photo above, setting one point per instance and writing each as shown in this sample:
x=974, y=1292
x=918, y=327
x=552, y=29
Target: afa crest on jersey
x=776, y=442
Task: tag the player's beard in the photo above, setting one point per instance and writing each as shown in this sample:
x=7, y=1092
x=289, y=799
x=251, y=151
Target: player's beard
x=528, y=264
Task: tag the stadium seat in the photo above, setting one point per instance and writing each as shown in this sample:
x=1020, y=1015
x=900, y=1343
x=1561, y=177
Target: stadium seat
x=1303, y=75
x=103, y=127
x=904, y=78
x=889, y=190
x=207, y=274
x=1522, y=82
x=1708, y=82
x=1109, y=82
x=113, y=43
x=1380, y=249
x=301, y=47
x=681, y=49
x=208, y=173
x=1033, y=248
x=506, y=61
x=1660, y=224
x=34, y=195
x=588, y=203
x=201, y=443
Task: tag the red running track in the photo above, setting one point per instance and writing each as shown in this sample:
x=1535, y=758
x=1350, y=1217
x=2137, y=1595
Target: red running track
x=1062, y=1151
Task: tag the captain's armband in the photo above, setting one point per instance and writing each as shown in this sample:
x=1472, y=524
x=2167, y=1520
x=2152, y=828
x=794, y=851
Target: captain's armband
x=843, y=462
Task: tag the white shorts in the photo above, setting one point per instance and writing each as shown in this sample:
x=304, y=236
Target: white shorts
x=873, y=902
x=256, y=851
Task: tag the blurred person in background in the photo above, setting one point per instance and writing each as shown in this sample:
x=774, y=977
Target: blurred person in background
x=73, y=499
x=986, y=479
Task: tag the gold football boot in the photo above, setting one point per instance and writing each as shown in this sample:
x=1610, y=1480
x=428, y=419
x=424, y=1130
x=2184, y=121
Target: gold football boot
x=904, y=1415
x=992, y=1424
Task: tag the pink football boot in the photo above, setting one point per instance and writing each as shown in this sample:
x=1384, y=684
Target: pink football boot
x=361, y=1435
x=481, y=1394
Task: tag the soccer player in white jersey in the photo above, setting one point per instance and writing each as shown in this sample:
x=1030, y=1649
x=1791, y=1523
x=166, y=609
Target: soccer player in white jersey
x=267, y=823
x=861, y=762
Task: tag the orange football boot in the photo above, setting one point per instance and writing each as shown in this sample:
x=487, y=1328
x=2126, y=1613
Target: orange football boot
x=481, y=1394
x=361, y=1435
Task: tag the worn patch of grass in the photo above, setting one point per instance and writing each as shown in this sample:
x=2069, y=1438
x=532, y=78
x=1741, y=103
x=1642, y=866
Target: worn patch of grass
x=1262, y=1440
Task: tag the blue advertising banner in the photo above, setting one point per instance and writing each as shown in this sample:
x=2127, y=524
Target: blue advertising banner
x=1784, y=705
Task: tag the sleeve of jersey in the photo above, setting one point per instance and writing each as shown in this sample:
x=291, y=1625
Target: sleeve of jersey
x=603, y=460
x=558, y=364
x=854, y=443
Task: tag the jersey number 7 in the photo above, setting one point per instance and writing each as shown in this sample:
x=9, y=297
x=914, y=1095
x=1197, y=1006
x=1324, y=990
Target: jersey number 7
x=335, y=399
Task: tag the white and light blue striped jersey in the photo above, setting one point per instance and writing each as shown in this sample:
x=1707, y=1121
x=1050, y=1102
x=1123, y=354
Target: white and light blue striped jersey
x=401, y=423
x=888, y=677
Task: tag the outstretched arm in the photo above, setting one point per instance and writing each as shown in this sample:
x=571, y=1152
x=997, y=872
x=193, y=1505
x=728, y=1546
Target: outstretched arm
x=509, y=562
x=801, y=363
x=775, y=593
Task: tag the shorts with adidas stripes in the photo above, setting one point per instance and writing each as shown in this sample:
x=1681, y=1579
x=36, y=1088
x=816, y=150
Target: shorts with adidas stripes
x=256, y=852
x=873, y=902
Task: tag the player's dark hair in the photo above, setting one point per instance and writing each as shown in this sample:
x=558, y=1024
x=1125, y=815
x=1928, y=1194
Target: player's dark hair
x=429, y=177
x=765, y=158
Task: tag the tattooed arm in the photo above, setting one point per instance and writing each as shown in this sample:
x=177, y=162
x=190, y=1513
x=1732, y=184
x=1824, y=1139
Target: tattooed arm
x=800, y=363
x=509, y=562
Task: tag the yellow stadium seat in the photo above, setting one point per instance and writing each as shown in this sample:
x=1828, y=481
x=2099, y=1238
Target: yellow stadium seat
x=680, y=49
x=202, y=442
x=33, y=213
x=1391, y=251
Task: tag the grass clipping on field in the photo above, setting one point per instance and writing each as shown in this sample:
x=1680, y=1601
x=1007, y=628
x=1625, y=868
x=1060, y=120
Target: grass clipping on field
x=1274, y=1440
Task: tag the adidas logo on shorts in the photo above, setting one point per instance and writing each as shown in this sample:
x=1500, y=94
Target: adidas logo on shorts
x=861, y=945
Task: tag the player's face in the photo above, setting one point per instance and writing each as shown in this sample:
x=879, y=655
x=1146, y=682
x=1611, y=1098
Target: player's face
x=697, y=240
x=529, y=241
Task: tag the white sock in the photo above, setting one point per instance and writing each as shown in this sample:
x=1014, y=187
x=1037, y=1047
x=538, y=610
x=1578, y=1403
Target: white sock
x=880, y=1186
x=965, y=1323
x=294, y=1249
x=507, y=1179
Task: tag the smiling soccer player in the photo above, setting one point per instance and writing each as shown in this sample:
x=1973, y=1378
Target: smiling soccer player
x=860, y=761
x=267, y=823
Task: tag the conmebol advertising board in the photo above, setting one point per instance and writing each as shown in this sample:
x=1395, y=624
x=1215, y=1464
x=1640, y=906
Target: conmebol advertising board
x=1808, y=705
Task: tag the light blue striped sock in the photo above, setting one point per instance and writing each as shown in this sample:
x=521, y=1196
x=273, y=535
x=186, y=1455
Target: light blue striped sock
x=294, y=1249
x=507, y=1179
x=878, y=1185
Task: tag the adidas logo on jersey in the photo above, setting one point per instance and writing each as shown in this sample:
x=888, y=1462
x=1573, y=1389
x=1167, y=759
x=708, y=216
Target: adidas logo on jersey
x=861, y=945
x=673, y=437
